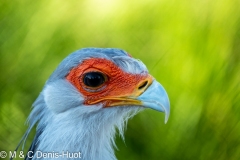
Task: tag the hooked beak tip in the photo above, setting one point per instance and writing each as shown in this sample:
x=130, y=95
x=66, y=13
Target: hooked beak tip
x=155, y=97
x=167, y=113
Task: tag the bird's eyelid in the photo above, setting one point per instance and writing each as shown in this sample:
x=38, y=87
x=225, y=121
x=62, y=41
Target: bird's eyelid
x=94, y=70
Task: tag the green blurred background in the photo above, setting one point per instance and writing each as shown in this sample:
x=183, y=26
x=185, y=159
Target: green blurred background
x=191, y=47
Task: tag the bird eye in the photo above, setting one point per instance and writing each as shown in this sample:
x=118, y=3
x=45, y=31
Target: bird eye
x=94, y=79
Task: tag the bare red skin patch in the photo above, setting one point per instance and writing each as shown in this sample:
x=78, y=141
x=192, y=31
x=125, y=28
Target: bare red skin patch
x=118, y=84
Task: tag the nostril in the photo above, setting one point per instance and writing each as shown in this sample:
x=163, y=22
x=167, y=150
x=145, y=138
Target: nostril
x=144, y=84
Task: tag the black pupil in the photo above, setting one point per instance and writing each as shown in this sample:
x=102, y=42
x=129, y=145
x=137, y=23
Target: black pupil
x=93, y=79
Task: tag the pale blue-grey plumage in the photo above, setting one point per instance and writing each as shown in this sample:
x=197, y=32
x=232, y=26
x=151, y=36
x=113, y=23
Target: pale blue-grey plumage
x=65, y=123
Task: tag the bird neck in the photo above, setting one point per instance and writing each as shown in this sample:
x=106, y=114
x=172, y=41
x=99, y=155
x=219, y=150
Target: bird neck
x=90, y=133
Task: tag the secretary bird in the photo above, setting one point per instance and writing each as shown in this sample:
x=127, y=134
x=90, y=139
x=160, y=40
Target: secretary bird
x=91, y=94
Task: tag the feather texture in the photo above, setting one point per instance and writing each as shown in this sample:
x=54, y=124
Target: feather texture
x=65, y=124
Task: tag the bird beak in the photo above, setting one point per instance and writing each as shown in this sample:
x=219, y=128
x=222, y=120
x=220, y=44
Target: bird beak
x=155, y=97
x=147, y=93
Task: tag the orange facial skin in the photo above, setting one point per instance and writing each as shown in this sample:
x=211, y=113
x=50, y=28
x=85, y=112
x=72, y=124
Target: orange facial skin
x=119, y=88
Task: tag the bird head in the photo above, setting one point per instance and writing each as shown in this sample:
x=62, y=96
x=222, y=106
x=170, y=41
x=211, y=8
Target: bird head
x=91, y=92
x=105, y=78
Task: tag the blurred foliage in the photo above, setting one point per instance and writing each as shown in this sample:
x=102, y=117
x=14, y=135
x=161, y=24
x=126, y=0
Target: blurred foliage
x=191, y=47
